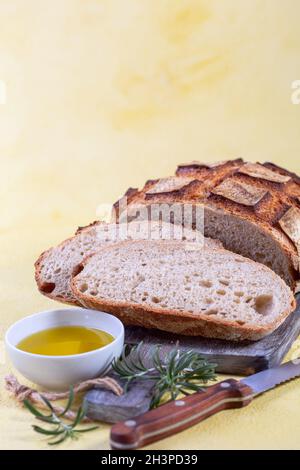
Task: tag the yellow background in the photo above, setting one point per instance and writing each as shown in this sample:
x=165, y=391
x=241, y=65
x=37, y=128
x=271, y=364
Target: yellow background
x=103, y=94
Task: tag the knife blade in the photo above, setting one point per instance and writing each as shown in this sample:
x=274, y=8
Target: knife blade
x=270, y=378
x=178, y=415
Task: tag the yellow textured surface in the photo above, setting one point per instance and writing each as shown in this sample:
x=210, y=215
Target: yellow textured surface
x=103, y=94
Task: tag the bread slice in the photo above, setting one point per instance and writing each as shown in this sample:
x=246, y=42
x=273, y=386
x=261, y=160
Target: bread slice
x=253, y=208
x=53, y=269
x=178, y=287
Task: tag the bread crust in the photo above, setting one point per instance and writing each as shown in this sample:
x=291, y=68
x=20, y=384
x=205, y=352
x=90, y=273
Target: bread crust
x=177, y=321
x=47, y=288
x=265, y=214
x=174, y=322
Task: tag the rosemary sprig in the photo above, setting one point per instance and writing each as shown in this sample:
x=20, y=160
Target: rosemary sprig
x=179, y=372
x=59, y=430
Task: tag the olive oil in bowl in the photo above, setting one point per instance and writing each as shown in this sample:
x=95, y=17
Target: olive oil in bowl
x=65, y=341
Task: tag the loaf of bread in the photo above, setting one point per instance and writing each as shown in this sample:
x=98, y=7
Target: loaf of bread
x=253, y=208
x=54, y=268
x=179, y=287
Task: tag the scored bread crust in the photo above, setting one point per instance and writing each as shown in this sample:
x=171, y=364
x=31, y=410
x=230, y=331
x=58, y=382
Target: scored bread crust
x=259, y=195
x=177, y=321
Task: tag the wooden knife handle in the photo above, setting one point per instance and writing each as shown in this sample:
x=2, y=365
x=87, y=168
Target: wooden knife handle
x=178, y=415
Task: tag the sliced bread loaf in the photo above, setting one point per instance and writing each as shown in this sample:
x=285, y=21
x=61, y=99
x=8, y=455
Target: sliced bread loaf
x=53, y=269
x=253, y=208
x=178, y=287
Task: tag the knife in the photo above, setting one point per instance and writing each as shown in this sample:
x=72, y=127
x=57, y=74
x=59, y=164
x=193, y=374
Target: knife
x=178, y=415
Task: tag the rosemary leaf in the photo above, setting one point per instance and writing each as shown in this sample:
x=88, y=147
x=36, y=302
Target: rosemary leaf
x=59, y=441
x=86, y=429
x=80, y=414
x=32, y=409
x=47, y=402
x=47, y=431
x=69, y=403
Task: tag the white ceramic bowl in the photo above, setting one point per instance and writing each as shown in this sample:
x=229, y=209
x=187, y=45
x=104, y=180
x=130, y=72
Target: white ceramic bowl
x=59, y=372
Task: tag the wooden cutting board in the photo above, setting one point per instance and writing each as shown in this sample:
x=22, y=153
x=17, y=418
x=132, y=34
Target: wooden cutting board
x=232, y=358
x=236, y=358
